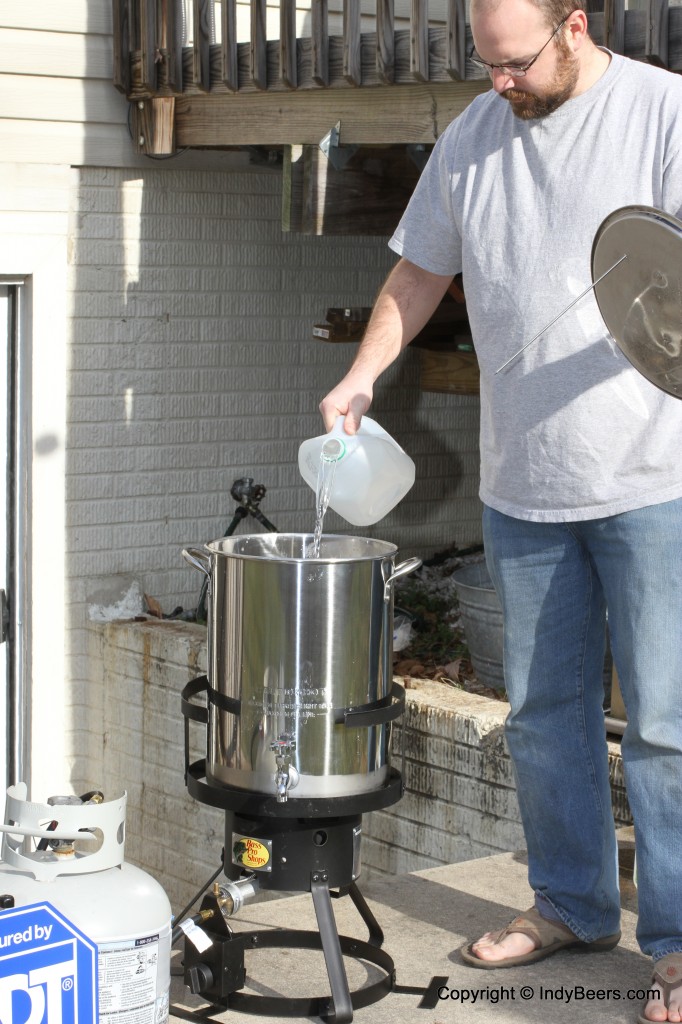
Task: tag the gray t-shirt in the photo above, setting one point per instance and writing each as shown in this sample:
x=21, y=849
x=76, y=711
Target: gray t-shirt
x=570, y=430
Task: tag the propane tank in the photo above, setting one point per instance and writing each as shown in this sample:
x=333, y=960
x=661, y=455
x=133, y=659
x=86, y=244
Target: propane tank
x=83, y=936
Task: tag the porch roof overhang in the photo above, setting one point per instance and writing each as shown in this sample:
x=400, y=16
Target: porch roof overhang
x=382, y=88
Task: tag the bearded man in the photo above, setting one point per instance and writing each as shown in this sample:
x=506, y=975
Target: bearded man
x=581, y=475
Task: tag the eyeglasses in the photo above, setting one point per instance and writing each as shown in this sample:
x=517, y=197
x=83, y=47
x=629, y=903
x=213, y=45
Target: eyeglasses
x=514, y=70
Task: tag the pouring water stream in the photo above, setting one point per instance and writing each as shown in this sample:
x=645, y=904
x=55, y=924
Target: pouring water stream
x=332, y=450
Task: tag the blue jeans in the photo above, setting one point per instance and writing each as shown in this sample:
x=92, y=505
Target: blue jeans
x=555, y=581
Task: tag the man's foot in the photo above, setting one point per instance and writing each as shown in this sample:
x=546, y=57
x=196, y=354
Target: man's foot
x=493, y=948
x=667, y=980
x=526, y=940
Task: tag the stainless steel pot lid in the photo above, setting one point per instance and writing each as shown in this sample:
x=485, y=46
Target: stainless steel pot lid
x=641, y=300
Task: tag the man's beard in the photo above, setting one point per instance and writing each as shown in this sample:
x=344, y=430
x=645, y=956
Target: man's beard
x=527, y=107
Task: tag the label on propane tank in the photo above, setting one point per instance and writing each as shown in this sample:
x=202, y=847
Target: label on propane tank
x=134, y=980
x=48, y=968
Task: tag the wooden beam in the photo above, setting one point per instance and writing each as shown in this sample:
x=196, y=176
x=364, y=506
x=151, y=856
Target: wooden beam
x=656, y=42
x=419, y=40
x=385, y=114
x=385, y=49
x=319, y=34
x=456, y=30
x=287, y=43
x=200, y=47
x=229, y=70
x=153, y=126
x=122, y=48
x=148, y=43
x=258, y=51
x=170, y=42
x=614, y=25
x=352, y=71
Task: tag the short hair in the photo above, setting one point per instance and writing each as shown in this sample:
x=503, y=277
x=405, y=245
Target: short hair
x=554, y=10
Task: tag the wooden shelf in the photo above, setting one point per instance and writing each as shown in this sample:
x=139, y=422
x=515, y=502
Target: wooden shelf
x=447, y=361
x=449, y=371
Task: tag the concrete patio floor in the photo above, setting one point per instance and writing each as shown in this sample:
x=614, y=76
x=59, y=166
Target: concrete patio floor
x=425, y=917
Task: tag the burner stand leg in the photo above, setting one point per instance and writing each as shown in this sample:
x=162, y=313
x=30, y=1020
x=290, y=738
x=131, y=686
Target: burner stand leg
x=342, y=1011
x=376, y=936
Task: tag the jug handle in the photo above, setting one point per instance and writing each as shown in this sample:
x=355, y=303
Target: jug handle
x=198, y=559
x=408, y=566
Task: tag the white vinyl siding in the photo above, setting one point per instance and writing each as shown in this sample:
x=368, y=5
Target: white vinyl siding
x=57, y=101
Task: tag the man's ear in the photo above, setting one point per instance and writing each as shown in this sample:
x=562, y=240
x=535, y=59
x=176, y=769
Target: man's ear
x=576, y=29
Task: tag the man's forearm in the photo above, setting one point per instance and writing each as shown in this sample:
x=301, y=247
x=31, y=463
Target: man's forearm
x=403, y=307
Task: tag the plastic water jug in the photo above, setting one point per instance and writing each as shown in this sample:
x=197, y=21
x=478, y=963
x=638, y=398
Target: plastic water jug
x=372, y=472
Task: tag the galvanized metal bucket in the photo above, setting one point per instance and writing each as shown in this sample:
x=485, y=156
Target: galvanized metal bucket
x=300, y=662
x=482, y=622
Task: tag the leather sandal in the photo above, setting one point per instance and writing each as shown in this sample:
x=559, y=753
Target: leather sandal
x=667, y=974
x=549, y=937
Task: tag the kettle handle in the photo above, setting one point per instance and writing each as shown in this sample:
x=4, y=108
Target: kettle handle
x=408, y=566
x=199, y=559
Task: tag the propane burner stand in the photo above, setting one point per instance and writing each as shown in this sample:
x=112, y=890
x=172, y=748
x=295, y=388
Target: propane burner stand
x=299, y=844
x=219, y=972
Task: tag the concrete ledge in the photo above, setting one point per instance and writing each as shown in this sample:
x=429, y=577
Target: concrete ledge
x=459, y=804
x=460, y=799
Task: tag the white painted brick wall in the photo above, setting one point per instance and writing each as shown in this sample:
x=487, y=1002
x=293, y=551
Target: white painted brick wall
x=459, y=803
x=200, y=310
x=192, y=363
